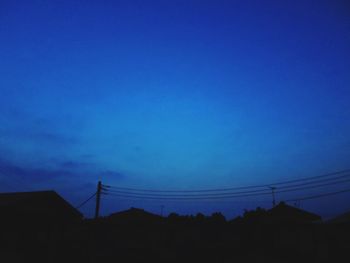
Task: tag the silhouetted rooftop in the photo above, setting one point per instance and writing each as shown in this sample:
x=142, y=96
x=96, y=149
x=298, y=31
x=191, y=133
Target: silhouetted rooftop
x=135, y=214
x=37, y=204
x=284, y=212
x=343, y=218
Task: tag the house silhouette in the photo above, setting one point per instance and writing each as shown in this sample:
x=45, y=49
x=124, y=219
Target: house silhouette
x=341, y=219
x=283, y=213
x=40, y=206
x=135, y=214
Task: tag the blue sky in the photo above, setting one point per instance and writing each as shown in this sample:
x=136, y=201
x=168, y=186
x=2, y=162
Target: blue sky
x=173, y=95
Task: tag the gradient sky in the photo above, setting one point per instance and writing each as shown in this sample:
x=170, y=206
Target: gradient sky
x=173, y=95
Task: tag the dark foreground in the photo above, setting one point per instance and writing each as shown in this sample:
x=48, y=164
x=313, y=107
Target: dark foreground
x=172, y=240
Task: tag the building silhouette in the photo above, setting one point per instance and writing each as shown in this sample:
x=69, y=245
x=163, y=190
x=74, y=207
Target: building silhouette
x=40, y=206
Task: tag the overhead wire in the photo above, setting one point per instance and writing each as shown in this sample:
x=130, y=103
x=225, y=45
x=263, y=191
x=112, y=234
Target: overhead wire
x=318, y=196
x=87, y=200
x=179, y=197
x=325, y=180
x=313, y=179
x=230, y=194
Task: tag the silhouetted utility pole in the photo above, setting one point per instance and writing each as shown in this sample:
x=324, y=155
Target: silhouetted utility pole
x=98, y=199
x=273, y=195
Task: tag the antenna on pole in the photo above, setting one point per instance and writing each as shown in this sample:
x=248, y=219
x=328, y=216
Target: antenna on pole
x=161, y=210
x=98, y=199
x=297, y=203
x=273, y=195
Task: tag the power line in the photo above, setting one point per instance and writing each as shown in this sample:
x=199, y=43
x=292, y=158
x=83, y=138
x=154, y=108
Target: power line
x=289, y=188
x=312, y=187
x=313, y=178
x=87, y=200
x=318, y=196
x=316, y=181
x=181, y=197
x=216, y=196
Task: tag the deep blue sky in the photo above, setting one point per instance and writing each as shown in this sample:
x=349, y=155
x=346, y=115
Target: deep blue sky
x=173, y=95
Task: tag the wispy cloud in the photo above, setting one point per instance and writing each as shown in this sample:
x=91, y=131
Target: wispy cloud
x=23, y=126
x=21, y=176
x=69, y=174
x=73, y=165
x=112, y=175
x=46, y=137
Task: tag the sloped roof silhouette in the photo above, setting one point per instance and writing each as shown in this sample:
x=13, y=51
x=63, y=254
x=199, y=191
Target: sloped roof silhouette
x=284, y=212
x=343, y=218
x=40, y=203
x=135, y=214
